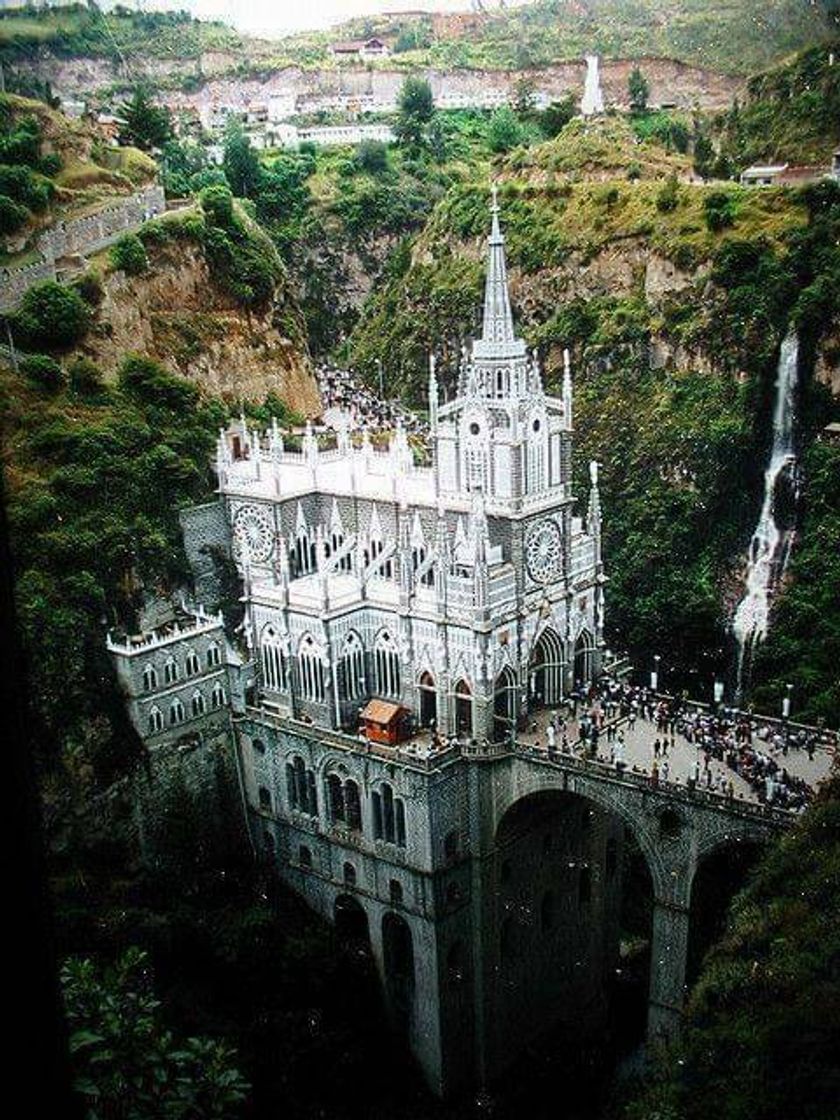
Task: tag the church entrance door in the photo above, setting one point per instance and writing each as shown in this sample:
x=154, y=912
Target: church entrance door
x=545, y=670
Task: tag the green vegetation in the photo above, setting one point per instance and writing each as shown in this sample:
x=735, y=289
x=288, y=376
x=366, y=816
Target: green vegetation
x=85, y=31
x=762, y=1036
x=682, y=448
x=638, y=90
x=791, y=114
x=51, y=316
x=147, y=125
x=415, y=112
x=732, y=35
x=129, y=254
x=126, y=1061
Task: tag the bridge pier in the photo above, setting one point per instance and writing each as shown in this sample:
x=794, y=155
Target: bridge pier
x=668, y=957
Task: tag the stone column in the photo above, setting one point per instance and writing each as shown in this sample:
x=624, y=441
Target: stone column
x=669, y=947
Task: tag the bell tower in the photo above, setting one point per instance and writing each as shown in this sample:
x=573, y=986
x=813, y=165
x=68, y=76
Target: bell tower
x=501, y=436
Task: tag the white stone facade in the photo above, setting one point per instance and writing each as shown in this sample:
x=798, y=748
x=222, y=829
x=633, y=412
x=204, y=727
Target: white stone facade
x=465, y=590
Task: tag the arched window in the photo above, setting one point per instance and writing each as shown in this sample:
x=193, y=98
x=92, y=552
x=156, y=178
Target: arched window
x=475, y=462
x=351, y=669
x=395, y=892
x=258, y=747
x=170, y=671
x=272, y=660
x=349, y=874
x=419, y=556
x=312, y=670
x=217, y=696
x=214, y=655
x=536, y=456
x=265, y=798
x=304, y=856
x=300, y=783
x=352, y=805
x=303, y=552
x=176, y=713
x=149, y=678
x=197, y=704
x=387, y=666
x=191, y=663
x=463, y=708
x=388, y=816
x=335, y=798
x=155, y=721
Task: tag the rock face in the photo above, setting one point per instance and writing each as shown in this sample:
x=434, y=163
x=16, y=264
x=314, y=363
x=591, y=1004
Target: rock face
x=176, y=314
x=671, y=82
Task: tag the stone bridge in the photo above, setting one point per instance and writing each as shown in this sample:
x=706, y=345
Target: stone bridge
x=437, y=852
x=675, y=827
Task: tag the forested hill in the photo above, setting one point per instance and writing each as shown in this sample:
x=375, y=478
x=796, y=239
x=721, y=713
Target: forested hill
x=732, y=36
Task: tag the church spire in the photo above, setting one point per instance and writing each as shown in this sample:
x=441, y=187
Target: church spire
x=498, y=320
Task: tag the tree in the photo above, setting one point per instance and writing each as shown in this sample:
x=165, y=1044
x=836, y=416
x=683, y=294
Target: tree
x=504, y=130
x=127, y=1063
x=371, y=156
x=12, y=214
x=558, y=114
x=415, y=111
x=638, y=89
x=52, y=316
x=241, y=163
x=44, y=371
x=704, y=156
x=524, y=101
x=146, y=125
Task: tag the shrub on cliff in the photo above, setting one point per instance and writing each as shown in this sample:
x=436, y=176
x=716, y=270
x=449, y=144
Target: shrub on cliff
x=12, y=214
x=85, y=377
x=129, y=254
x=51, y=316
x=43, y=371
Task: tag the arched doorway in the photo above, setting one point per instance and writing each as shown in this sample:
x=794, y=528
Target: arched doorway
x=428, y=700
x=398, y=960
x=351, y=923
x=545, y=670
x=584, y=657
x=504, y=705
x=463, y=710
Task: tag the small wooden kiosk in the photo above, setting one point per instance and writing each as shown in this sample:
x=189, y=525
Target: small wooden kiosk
x=384, y=722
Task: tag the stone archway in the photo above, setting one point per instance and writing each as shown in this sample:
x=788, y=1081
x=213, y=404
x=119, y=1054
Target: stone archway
x=584, y=659
x=398, y=964
x=552, y=894
x=351, y=921
x=504, y=705
x=545, y=670
x=428, y=699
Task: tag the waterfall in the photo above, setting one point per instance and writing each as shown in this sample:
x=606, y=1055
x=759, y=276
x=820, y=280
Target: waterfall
x=593, y=100
x=770, y=545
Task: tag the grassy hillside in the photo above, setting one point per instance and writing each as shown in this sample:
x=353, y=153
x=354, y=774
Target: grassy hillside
x=53, y=168
x=791, y=113
x=82, y=31
x=737, y=36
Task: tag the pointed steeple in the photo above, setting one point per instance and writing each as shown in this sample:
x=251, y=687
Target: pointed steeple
x=498, y=319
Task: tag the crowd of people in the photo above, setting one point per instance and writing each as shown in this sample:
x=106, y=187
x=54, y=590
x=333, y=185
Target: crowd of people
x=342, y=392
x=749, y=747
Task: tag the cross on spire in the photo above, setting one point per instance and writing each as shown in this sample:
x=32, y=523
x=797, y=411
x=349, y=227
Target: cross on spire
x=498, y=319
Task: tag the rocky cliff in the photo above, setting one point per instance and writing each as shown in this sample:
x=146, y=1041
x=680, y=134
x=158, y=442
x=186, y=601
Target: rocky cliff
x=177, y=313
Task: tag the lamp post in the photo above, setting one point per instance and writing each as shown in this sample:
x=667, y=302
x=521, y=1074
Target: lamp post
x=718, y=692
x=654, y=676
x=786, y=702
